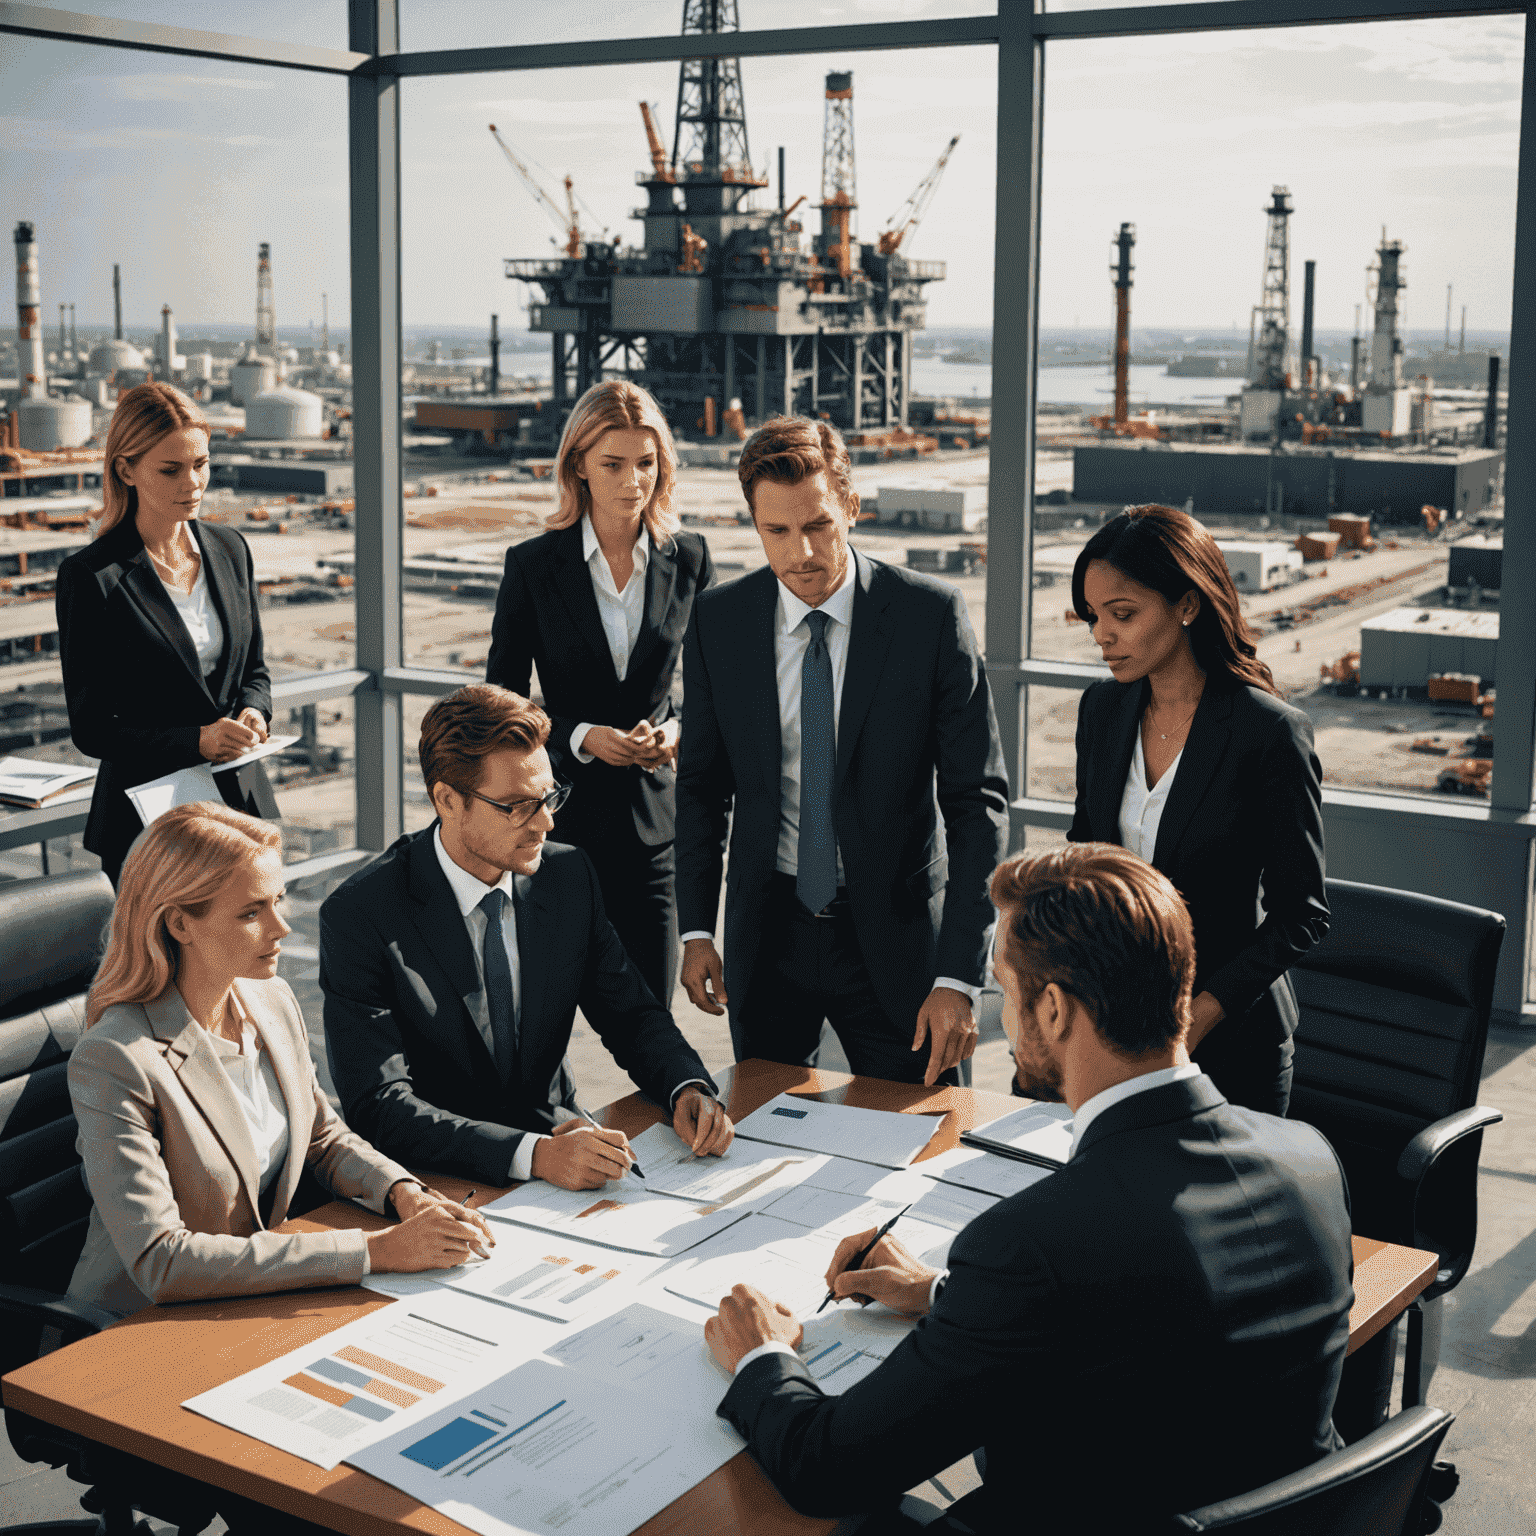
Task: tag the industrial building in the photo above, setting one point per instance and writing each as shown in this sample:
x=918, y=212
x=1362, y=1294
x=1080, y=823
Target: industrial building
x=1407, y=646
x=1290, y=481
x=723, y=302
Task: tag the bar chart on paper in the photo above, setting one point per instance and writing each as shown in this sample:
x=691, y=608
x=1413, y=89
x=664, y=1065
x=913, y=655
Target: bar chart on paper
x=362, y=1381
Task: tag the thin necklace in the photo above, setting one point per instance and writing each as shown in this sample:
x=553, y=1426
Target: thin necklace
x=175, y=571
x=1163, y=736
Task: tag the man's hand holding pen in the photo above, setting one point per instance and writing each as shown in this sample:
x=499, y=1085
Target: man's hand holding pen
x=888, y=1274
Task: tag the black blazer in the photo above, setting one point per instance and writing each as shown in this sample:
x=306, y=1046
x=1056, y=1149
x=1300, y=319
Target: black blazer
x=1245, y=809
x=546, y=616
x=921, y=804
x=415, y=1075
x=1160, y=1324
x=136, y=695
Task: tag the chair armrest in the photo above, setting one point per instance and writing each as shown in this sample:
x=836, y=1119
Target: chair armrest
x=76, y=1319
x=1397, y=1437
x=1420, y=1154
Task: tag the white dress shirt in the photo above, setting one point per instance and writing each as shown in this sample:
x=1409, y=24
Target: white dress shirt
x=1089, y=1112
x=621, y=612
x=1141, y=809
x=791, y=637
x=249, y=1069
x=200, y=618
x=469, y=892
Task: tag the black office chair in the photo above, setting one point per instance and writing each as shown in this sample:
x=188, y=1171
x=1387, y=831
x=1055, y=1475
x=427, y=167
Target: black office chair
x=1394, y=1008
x=1375, y=1487
x=50, y=942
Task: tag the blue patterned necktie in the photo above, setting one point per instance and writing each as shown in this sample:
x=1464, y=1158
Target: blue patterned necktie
x=816, y=857
x=500, y=999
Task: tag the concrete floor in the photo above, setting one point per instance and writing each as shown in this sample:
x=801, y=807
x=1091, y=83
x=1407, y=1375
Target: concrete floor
x=1487, y=1374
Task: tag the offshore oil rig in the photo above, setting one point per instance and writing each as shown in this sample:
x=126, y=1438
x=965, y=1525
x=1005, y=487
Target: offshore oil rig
x=726, y=307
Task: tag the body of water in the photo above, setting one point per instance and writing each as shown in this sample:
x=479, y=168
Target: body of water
x=1092, y=388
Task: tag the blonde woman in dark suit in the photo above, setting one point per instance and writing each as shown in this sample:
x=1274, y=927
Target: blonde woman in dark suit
x=197, y=1103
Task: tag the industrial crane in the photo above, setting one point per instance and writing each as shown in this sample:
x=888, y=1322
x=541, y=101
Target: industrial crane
x=566, y=218
x=905, y=220
x=663, y=171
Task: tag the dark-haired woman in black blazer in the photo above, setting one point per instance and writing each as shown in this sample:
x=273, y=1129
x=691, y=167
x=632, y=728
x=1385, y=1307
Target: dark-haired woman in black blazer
x=1190, y=758
x=600, y=604
x=159, y=630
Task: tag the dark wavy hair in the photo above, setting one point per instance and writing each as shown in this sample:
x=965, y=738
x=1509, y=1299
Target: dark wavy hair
x=1165, y=549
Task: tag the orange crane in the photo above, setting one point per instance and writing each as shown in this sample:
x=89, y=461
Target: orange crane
x=662, y=171
x=566, y=219
x=905, y=220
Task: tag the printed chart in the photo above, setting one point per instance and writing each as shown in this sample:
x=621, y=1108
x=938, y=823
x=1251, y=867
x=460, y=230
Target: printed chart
x=864, y=1135
x=748, y=1171
x=612, y=1217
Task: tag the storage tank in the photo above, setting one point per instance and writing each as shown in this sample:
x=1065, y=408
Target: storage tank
x=284, y=413
x=109, y=356
x=47, y=424
x=199, y=366
x=250, y=376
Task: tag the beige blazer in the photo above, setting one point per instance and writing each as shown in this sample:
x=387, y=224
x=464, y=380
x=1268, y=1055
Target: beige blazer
x=171, y=1167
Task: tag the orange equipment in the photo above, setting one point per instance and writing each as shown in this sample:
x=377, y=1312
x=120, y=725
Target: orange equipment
x=905, y=220
x=565, y=218
x=694, y=247
x=663, y=171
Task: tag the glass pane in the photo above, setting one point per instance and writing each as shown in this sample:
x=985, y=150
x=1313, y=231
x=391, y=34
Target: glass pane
x=319, y=23
x=1402, y=203
x=169, y=171
x=432, y=24
x=1052, y=736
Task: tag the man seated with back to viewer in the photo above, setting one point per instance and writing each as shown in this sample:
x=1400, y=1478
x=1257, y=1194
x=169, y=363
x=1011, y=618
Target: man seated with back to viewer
x=1159, y=1324
x=453, y=965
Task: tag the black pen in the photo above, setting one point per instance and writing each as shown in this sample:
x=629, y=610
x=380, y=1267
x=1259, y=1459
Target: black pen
x=634, y=1167
x=864, y=1253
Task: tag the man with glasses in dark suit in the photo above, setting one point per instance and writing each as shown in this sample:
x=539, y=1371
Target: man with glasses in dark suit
x=453, y=965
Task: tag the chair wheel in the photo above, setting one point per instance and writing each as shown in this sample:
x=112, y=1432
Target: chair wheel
x=1444, y=1480
x=1430, y=1517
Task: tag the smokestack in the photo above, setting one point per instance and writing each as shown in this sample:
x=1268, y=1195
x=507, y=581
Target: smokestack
x=1307, y=372
x=1491, y=415
x=494, y=381
x=1121, y=271
x=117, y=302
x=1461, y=346
x=74, y=339
x=29, y=320
x=266, y=319
x=325, y=323
x=167, y=342
x=781, y=178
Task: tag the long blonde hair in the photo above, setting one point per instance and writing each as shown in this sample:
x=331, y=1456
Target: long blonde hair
x=143, y=416
x=615, y=404
x=182, y=859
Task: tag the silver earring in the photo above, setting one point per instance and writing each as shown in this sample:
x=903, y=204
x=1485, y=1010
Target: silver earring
x=1186, y=623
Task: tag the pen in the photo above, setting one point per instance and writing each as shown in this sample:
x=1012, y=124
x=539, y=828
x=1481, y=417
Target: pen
x=634, y=1167
x=864, y=1253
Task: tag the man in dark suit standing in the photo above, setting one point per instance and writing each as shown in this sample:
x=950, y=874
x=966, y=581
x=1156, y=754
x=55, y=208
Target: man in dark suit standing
x=453, y=965
x=1158, y=1325
x=836, y=715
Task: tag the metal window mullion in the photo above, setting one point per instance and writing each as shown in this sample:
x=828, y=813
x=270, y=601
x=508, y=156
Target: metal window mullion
x=1251, y=15
x=1015, y=322
x=374, y=131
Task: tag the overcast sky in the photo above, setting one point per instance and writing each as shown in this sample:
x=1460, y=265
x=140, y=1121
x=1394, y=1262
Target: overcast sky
x=178, y=168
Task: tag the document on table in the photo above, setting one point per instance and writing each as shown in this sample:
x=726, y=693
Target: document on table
x=927, y=1226
x=620, y=1215
x=1038, y=1133
x=865, y=1135
x=748, y=1169
x=550, y=1448
x=552, y=1277
x=372, y=1376
x=781, y=1258
x=983, y=1171
x=842, y=1347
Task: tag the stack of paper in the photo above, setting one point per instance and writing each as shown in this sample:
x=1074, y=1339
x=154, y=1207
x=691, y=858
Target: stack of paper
x=31, y=782
x=1038, y=1133
x=983, y=1171
x=749, y=1171
x=620, y=1215
x=865, y=1135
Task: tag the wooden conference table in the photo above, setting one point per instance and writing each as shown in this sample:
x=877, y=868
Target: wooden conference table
x=124, y=1387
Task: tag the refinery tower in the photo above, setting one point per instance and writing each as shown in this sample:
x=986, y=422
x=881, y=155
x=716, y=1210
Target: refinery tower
x=725, y=301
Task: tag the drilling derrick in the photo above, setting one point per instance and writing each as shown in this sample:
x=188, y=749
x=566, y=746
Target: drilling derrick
x=723, y=301
x=1274, y=312
x=266, y=323
x=839, y=196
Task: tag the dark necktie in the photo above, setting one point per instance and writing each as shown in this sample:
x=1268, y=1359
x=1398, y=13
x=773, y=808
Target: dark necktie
x=816, y=857
x=501, y=1000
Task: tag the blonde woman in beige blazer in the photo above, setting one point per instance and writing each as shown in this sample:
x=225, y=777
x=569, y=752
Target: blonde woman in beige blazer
x=197, y=1103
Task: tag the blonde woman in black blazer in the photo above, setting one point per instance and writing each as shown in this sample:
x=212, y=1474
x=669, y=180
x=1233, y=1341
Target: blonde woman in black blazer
x=159, y=629
x=599, y=605
x=1189, y=757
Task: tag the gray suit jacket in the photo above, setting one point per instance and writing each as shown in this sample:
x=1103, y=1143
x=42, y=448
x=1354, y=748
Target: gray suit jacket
x=171, y=1167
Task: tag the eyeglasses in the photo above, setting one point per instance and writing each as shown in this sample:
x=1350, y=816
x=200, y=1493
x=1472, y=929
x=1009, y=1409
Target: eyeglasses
x=525, y=810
